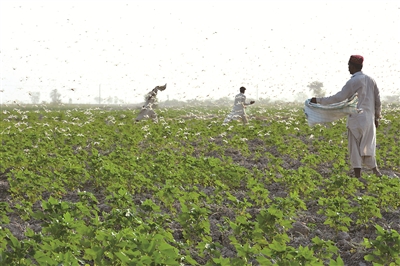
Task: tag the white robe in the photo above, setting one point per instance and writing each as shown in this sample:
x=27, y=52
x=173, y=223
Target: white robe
x=361, y=126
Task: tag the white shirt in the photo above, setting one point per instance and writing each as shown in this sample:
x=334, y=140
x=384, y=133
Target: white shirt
x=240, y=102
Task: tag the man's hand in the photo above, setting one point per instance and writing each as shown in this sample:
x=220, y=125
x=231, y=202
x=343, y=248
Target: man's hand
x=313, y=100
x=376, y=123
x=251, y=102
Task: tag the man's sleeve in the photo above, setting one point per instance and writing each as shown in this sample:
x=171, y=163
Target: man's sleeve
x=347, y=91
x=244, y=101
x=378, y=105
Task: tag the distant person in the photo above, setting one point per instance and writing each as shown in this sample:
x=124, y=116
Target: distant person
x=147, y=109
x=361, y=126
x=238, y=110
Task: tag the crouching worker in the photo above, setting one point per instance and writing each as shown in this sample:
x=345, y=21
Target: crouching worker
x=147, y=111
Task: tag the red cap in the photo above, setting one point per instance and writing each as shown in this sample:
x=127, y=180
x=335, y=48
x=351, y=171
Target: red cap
x=356, y=59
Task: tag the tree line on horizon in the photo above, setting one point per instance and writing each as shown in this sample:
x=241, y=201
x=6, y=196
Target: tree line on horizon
x=314, y=87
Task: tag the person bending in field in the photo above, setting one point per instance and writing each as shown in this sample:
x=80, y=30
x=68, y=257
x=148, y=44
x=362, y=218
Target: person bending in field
x=361, y=126
x=238, y=110
x=147, y=109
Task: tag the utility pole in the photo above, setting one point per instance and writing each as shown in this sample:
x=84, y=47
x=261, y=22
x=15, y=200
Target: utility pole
x=257, y=92
x=99, y=93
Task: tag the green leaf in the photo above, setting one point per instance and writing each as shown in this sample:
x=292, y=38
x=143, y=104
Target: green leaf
x=263, y=261
x=146, y=260
x=277, y=246
x=122, y=256
x=44, y=259
x=369, y=257
x=337, y=262
x=15, y=242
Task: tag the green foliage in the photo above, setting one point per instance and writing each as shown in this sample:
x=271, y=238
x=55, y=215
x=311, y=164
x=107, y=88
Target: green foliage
x=106, y=191
x=367, y=209
x=323, y=249
x=336, y=211
x=385, y=249
x=193, y=220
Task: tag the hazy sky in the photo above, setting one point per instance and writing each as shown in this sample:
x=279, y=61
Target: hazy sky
x=201, y=49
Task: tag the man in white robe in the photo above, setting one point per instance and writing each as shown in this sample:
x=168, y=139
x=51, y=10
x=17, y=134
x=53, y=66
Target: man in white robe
x=147, y=111
x=238, y=110
x=361, y=126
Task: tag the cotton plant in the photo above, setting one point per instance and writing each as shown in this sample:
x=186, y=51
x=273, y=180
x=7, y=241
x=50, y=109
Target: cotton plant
x=187, y=182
